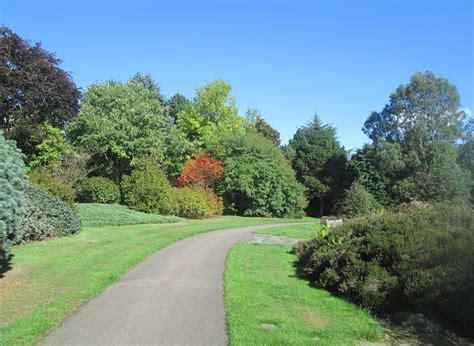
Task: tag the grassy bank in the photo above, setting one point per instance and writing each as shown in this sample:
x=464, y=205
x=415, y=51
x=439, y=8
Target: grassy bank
x=49, y=279
x=268, y=305
x=308, y=231
x=95, y=215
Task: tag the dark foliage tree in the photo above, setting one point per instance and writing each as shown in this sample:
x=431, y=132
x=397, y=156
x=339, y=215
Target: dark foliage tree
x=261, y=126
x=321, y=165
x=177, y=103
x=33, y=89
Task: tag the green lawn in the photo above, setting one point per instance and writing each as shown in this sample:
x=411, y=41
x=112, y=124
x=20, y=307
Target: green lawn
x=96, y=214
x=50, y=279
x=261, y=290
x=297, y=231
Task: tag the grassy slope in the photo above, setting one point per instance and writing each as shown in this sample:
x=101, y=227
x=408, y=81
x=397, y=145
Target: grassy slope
x=297, y=231
x=95, y=214
x=261, y=287
x=50, y=279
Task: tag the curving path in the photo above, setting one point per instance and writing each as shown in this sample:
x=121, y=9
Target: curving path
x=174, y=297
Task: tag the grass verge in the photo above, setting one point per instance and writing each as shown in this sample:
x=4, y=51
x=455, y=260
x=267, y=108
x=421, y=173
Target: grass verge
x=268, y=305
x=308, y=231
x=50, y=279
x=96, y=214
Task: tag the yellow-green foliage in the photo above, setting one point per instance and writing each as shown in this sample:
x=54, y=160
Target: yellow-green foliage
x=98, y=190
x=194, y=203
x=43, y=177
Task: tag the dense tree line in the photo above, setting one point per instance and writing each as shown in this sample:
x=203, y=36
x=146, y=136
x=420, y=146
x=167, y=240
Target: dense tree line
x=421, y=147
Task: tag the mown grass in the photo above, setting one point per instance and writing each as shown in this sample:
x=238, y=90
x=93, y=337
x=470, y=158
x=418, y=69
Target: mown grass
x=50, y=279
x=96, y=214
x=308, y=231
x=261, y=289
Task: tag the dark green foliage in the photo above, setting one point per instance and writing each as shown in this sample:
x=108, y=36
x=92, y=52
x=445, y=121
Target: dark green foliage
x=12, y=201
x=466, y=161
x=359, y=202
x=43, y=177
x=420, y=259
x=47, y=216
x=321, y=165
x=194, y=203
x=146, y=189
x=98, y=190
x=176, y=104
x=257, y=180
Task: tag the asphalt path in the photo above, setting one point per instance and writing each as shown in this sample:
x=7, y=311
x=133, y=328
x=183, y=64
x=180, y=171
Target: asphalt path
x=174, y=297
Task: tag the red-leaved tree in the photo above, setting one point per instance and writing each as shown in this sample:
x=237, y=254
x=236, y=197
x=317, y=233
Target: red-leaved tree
x=202, y=171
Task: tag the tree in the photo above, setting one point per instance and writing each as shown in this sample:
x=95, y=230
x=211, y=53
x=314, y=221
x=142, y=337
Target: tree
x=466, y=161
x=321, y=165
x=12, y=201
x=414, y=140
x=176, y=104
x=34, y=89
x=202, y=172
x=261, y=126
x=427, y=108
x=148, y=82
x=257, y=179
x=119, y=121
x=177, y=150
x=212, y=114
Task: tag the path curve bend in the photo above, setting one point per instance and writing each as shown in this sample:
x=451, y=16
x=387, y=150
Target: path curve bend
x=174, y=297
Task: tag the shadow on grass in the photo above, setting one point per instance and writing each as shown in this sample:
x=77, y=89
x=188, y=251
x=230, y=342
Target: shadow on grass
x=5, y=265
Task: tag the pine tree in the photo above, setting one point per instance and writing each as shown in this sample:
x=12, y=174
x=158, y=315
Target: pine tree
x=12, y=200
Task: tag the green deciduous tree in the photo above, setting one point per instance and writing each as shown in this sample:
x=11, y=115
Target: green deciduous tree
x=119, y=121
x=321, y=165
x=33, y=89
x=212, y=114
x=12, y=201
x=257, y=180
x=414, y=138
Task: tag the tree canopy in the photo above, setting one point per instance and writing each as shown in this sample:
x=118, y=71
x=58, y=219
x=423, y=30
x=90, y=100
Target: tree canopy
x=321, y=165
x=33, y=89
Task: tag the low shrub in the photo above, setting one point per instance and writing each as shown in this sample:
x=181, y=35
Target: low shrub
x=46, y=216
x=57, y=187
x=146, y=189
x=97, y=190
x=358, y=201
x=421, y=259
x=194, y=203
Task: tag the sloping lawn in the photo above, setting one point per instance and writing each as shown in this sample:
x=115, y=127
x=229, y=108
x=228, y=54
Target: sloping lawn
x=308, y=231
x=50, y=279
x=96, y=214
x=268, y=305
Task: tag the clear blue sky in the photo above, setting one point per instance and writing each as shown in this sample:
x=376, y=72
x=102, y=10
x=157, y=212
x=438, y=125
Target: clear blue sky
x=286, y=58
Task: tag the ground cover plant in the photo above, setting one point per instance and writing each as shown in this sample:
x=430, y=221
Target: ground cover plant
x=419, y=258
x=97, y=214
x=267, y=304
x=50, y=279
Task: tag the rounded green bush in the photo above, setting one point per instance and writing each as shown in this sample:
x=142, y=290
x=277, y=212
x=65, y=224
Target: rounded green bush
x=47, y=216
x=421, y=259
x=358, y=201
x=98, y=190
x=57, y=187
x=12, y=201
x=146, y=189
x=194, y=203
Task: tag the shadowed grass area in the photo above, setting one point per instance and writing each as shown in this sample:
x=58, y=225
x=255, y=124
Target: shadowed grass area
x=96, y=214
x=268, y=305
x=50, y=279
x=308, y=231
